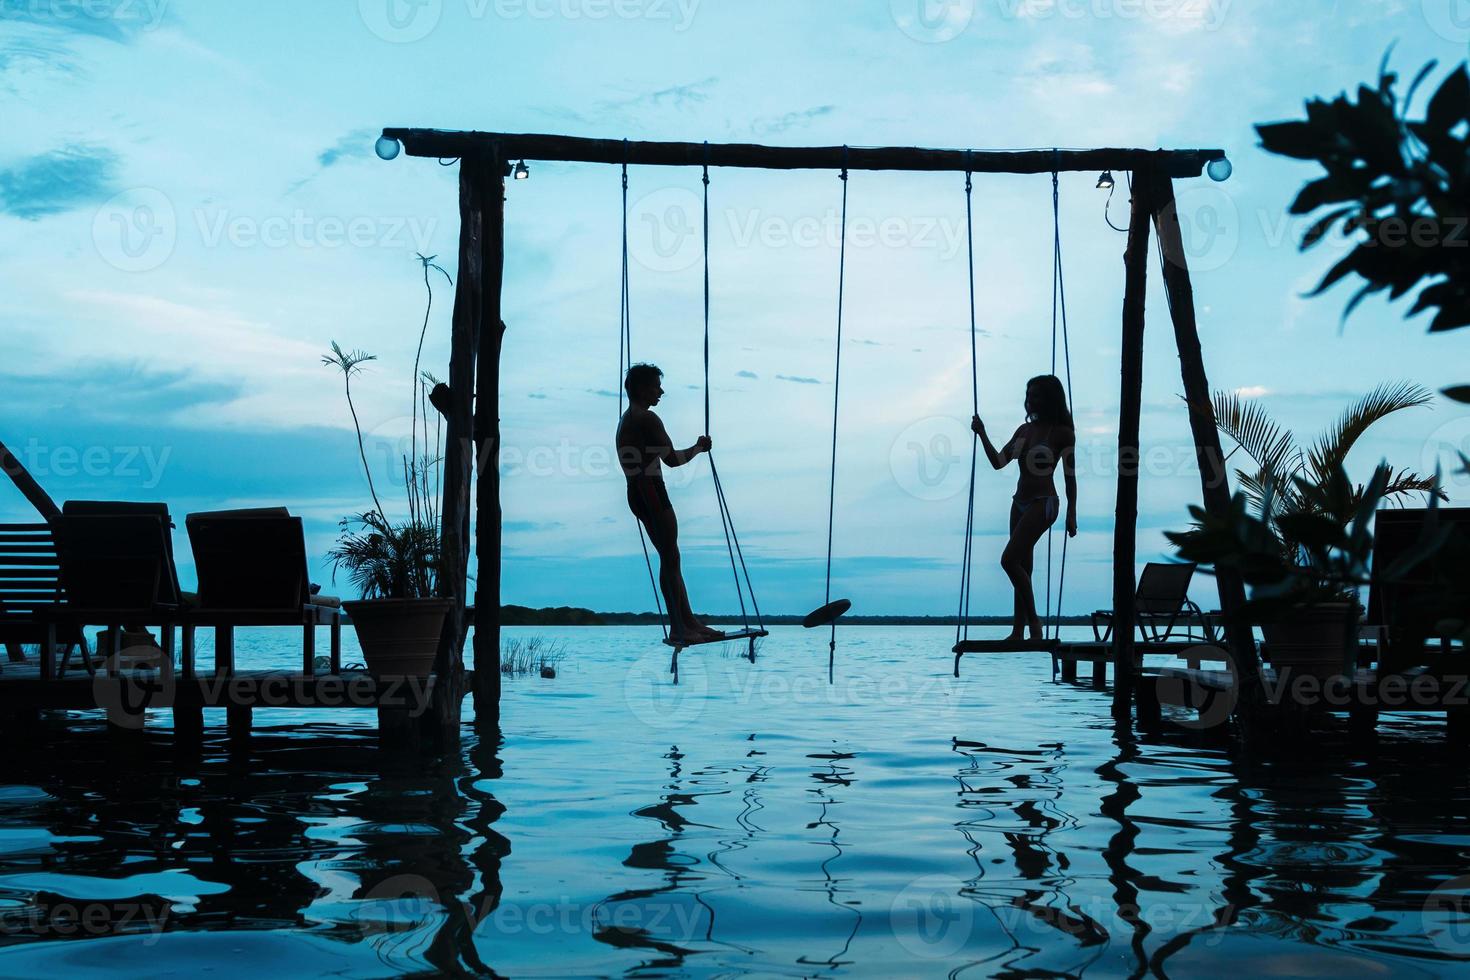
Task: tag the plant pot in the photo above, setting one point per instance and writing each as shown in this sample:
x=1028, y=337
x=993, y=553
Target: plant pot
x=1311, y=640
x=399, y=637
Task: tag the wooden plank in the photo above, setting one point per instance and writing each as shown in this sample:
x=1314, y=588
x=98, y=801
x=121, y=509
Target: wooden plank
x=446, y=144
x=1125, y=528
x=1214, y=478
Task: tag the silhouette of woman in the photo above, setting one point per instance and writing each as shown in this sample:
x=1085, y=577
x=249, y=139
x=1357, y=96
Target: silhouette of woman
x=1046, y=439
x=644, y=447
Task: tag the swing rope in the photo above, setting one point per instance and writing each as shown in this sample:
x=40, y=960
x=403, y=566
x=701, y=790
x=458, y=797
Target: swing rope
x=1059, y=330
x=836, y=401
x=1058, y=319
x=625, y=360
x=738, y=567
x=962, y=627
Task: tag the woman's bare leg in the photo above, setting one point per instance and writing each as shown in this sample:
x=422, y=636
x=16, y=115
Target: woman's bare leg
x=1017, y=561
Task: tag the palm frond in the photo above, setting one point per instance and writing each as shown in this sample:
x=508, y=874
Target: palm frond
x=1404, y=483
x=1333, y=446
x=348, y=362
x=1265, y=441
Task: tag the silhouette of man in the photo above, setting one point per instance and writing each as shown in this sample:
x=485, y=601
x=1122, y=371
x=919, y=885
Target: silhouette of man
x=644, y=447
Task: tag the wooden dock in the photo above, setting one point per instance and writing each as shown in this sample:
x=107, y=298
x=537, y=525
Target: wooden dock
x=127, y=695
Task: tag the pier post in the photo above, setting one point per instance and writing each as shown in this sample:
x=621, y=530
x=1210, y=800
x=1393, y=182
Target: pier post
x=1214, y=480
x=458, y=448
x=487, y=451
x=1130, y=409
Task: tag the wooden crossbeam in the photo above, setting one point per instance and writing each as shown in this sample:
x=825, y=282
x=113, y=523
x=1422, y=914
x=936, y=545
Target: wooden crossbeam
x=448, y=144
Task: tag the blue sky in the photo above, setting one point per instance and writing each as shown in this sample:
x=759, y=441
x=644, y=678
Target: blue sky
x=190, y=213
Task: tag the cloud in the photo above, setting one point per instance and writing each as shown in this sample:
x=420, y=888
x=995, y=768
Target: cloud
x=352, y=146
x=602, y=393
x=797, y=380
x=1253, y=391
x=107, y=389
x=771, y=125
x=111, y=20
x=536, y=394
x=677, y=97
x=746, y=374
x=59, y=181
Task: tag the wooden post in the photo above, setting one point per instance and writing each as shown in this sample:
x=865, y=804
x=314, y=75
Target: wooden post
x=1214, y=479
x=1125, y=528
x=487, y=453
x=459, y=445
x=27, y=485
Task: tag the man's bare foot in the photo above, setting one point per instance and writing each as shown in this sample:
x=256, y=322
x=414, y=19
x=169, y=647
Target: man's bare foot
x=1038, y=632
x=1017, y=635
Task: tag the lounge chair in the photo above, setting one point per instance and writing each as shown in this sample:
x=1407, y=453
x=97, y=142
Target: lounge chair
x=252, y=571
x=1161, y=605
x=1407, y=613
x=116, y=566
x=30, y=585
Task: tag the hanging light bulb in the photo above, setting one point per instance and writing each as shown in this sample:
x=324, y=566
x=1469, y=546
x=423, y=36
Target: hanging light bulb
x=1220, y=170
x=522, y=171
x=387, y=148
x=1105, y=182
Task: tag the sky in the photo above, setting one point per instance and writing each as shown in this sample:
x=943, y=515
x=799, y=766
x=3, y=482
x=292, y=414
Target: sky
x=191, y=212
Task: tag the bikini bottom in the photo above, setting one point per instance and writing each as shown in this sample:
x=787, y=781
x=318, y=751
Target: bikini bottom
x=1050, y=502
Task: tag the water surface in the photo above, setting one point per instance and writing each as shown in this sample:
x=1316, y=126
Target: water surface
x=752, y=820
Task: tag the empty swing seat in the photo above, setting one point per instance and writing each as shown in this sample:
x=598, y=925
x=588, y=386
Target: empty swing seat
x=750, y=634
x=1006, y=646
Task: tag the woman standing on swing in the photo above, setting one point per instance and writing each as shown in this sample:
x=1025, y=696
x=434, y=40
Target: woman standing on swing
x=1046, y=439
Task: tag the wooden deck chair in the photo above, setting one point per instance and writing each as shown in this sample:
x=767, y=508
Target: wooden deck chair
x=252, y=559
x=117, y=566
x=1422, y=605
x=252, y=569
x=1161, y=605
x=30, y=586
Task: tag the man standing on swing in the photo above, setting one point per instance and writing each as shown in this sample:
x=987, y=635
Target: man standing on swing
x=644, y=447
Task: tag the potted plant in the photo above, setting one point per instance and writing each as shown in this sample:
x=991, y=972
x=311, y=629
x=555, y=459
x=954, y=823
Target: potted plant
x=395, y=564
x=1299, y=531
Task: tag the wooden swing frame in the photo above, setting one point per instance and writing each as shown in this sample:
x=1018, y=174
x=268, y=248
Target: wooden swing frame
x=473, y=425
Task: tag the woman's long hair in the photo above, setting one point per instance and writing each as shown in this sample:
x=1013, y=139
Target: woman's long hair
x=1051, y=401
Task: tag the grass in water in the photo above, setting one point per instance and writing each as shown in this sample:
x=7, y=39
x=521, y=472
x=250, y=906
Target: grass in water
x=532, y=655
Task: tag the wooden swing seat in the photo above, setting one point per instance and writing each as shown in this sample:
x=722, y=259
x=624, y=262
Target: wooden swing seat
x=722, y=638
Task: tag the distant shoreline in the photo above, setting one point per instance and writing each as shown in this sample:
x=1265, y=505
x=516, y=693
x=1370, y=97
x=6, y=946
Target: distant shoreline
x=575, y=616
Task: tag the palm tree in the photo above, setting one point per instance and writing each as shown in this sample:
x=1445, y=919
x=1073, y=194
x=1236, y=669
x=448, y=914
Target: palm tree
x=1288, y=480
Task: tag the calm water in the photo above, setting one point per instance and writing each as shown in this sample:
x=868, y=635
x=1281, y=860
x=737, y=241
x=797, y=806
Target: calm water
x=753, y=820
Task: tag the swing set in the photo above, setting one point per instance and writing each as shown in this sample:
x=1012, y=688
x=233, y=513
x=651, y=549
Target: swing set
x=487, y=159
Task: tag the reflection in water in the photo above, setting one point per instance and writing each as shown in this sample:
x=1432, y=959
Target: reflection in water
x=720, y=842
x=835, y=777
x=1017, y=795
